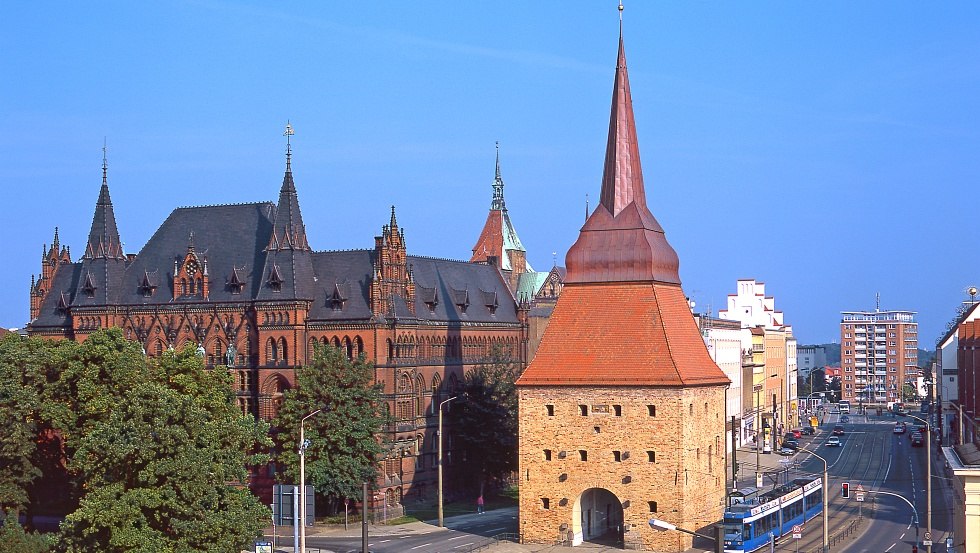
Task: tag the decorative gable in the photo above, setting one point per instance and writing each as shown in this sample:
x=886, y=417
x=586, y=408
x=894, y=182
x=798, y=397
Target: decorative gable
x=190, y=277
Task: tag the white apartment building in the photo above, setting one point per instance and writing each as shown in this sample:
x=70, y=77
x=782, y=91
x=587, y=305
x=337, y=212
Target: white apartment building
x=727, y=343
x=809, y=358
x=878, y=350
x=947, y=369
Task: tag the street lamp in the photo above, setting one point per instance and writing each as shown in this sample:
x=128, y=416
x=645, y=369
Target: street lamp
x=928, y=480
x=439, y=459
x=302, y=481
x=826, y=495
x=664, y=526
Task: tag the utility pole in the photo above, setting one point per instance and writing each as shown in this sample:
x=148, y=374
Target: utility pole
x=734, y=457
x=439, y=459
x=364, y=518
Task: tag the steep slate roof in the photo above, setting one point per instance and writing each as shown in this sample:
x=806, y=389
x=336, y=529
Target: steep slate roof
x=289, y=256
x=622, y=318
x=439, y=279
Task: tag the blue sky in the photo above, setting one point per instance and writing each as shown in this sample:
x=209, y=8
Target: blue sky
x=781, y=141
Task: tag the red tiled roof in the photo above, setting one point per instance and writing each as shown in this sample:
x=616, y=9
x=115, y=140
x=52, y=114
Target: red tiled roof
x=630, y=334
x=491, y=240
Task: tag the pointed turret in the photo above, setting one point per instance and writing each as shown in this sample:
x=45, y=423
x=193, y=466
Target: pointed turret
x=104, y=262
x=288, y=271
x=498, y=243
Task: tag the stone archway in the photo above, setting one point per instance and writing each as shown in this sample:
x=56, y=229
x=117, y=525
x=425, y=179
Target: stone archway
x=597, y=517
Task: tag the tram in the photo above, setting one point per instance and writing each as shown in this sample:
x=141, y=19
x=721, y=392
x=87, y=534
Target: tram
x=752, y=524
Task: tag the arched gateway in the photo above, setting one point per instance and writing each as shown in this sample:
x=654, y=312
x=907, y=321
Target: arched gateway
x=597, y=517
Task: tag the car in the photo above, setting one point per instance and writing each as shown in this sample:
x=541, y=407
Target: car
x=915, y=434
x=792, y=444
x=797, y=433
x=786, y=451
x=808, y=431
x=845, y=418
x=833, y=441
x=838, y=430
x=899, y=428
x=917, y=440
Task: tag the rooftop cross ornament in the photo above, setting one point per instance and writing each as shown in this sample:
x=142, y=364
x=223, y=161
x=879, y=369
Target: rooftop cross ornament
x=287, y=133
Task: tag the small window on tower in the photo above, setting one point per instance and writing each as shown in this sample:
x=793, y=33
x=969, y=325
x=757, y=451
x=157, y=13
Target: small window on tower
x=547, y=455
x=618, y=456
x=653, y=506
x=583, y=455
x=551, y=410
x=651, y=456
x=545, y=503
x=583, y=410
x=618, y=410
x=652, y=410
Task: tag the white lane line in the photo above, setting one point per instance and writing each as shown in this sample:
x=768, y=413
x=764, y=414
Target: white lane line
x=495, y=529
x=404, y=537
x=457, y=538
x=890, y=547
x=423, y=545
x=463, y=545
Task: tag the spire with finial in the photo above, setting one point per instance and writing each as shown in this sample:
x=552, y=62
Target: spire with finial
x=105, y=165
x=103, y=238
x=393, y=225
x=289, y=148
x=621, y=239
x=498, y=186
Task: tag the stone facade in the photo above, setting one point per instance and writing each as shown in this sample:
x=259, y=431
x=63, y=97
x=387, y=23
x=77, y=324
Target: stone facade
x=658, y=451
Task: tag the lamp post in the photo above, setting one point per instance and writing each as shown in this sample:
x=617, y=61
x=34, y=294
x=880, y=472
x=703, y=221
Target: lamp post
x=928, y=479
x=302, y=481
x=439, y=459
x=826, y=495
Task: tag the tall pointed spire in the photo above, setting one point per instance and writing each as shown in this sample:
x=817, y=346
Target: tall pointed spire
x=393, y=225
x=622, y=176
x=498, y=186
x=103, y=238
x=287, y=179
x=621, y=240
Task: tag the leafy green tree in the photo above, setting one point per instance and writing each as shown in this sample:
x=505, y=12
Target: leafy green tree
x=488, y=419
x=161, y=463
x=14, y=539
x=19, y=412
x=343, y=438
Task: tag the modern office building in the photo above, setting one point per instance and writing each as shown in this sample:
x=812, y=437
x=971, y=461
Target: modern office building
x=878, y=350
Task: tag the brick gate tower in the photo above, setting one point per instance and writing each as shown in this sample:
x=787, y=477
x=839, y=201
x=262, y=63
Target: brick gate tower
x=622, y=411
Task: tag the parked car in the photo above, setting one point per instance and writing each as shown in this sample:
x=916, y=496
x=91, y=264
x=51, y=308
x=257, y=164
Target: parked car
x=786, y=451
x=917, y=439
x=792, y=444
x=833, y=441
x=807, y=430
x=899, y=428
x=839, y=430
x=797, y=433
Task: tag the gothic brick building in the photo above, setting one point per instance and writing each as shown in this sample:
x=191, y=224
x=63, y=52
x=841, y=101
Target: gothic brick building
x=622, y=410
x=242, y=283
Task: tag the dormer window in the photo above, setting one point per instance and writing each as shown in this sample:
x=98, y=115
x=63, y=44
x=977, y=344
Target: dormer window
x=236, y=283
x=89, y=287
x=146, y=287
x=490, y=300
x=63, y=303
x=275, y=279
x=339, y=297
x=462, y=299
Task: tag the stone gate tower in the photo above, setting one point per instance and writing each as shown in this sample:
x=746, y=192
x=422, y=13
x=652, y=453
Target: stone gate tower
x=622, y=411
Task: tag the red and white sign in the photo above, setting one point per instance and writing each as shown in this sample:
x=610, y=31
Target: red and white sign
x=797, y=531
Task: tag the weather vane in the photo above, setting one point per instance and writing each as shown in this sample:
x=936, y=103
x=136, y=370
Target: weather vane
x=287, y=133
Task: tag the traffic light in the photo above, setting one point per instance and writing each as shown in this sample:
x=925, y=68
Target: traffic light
x=845, y=490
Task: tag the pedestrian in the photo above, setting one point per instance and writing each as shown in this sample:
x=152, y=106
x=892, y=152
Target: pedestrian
x=479, y=504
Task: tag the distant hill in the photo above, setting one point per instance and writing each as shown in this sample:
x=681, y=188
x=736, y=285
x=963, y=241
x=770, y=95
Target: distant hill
x=926, y=357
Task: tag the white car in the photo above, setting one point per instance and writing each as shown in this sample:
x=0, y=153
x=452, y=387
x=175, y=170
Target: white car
x=833, y=441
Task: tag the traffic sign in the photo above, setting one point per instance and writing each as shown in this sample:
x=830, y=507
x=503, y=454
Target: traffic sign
x=797, y=531
x=859, y=496
x=860, y=488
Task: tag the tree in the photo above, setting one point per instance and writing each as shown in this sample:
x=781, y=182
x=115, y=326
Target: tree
x=343, y=438
x=160, y=464
x=16, y=540
x=19, y=412
x=488, y=417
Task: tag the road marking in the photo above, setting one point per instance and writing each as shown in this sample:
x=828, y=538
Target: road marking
x=403, y=537
x=423, y=545
x=382, y=541
x=890, y=547
x=464, y=545
x=495, y=529
x=457, y=538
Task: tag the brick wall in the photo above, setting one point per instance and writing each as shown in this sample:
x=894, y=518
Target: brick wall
x=686, y=481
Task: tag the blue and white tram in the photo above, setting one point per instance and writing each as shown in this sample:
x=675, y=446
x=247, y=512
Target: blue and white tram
x=750, y=526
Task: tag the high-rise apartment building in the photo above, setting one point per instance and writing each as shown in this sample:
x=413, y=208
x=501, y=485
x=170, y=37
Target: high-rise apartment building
x=878, y=350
